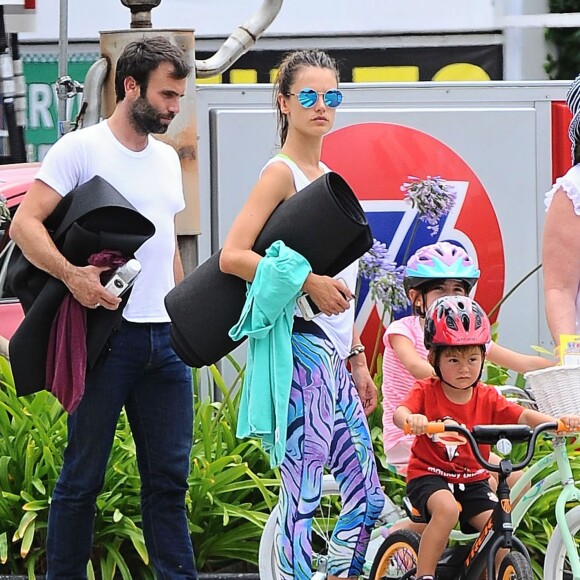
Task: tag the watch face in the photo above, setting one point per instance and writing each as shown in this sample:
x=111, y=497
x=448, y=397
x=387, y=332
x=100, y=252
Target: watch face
x=504, y=446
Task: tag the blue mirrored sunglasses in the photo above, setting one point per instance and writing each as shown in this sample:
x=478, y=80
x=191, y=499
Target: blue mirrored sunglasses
x=308, y=97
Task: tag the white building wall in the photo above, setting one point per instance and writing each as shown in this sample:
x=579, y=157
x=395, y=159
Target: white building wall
x=297, y=17
x=386, y=22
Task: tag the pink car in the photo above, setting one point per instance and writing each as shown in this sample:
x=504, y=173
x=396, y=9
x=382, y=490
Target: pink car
x=15, y=180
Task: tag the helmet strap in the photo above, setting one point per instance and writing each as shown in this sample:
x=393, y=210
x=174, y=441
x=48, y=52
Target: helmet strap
x=421, y=310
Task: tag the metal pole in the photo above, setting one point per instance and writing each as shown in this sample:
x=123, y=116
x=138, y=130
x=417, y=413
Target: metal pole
x=240, y=41
x=62, y=67
x=17, y=150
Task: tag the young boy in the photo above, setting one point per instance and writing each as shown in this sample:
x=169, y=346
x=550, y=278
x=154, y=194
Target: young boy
x=441, y=269
x=439, y=477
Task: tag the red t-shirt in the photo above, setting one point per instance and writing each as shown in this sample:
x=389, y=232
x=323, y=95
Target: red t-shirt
x=456, y=464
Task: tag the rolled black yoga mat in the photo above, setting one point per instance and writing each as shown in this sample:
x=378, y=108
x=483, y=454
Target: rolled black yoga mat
x=92, y=217
x=324, y=222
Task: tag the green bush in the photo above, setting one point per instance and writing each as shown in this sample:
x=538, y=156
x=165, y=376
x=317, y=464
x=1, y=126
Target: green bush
x=232, y=488
x=32, y=432
x=566, y=63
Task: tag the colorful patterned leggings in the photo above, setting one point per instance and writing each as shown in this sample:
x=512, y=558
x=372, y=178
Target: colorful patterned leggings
x=326, y=427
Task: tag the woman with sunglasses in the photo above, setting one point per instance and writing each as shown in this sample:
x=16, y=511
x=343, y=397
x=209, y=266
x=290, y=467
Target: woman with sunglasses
x=326, y=419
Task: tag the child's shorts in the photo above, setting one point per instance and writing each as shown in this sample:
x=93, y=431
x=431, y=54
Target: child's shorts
x=474, y=498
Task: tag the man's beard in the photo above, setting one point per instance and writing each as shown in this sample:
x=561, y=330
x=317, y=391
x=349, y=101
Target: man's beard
x=146, y=118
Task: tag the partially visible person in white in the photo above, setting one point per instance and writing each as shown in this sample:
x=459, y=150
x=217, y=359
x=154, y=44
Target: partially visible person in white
x=561, y=238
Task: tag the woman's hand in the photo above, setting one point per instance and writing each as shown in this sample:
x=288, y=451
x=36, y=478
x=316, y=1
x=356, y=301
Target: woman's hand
x=365, y=386
x=330, y=295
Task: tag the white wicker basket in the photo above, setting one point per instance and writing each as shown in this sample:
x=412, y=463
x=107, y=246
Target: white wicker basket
x=556, y=390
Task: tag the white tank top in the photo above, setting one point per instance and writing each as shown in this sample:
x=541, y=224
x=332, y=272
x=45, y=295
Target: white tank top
x=338, y=328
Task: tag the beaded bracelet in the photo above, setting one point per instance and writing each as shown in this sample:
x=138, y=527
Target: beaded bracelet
x=356, y=349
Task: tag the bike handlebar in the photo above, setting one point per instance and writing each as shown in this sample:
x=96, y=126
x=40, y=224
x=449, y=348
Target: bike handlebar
x=489, y=434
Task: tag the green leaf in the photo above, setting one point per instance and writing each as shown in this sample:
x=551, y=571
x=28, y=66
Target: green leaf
x=27, y=540
x=26, y=520
x=139, y=545
x=35, y=506
x=38, y=485
x=3, y=548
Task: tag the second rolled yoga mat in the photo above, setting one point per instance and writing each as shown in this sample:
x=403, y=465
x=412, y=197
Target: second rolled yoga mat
x=324, y=222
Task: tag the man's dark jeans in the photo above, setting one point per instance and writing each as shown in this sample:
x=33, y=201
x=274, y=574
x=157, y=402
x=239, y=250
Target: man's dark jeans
x=142, y=373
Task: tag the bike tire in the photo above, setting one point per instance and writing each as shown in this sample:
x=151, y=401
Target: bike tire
x=267, y=553
x=556, y=566
x=515, y=566
x=397, y=556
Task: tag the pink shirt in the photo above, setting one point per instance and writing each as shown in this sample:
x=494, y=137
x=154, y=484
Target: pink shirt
x=397, y=380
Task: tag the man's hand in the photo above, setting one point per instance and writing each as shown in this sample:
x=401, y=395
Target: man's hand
x=85, y=285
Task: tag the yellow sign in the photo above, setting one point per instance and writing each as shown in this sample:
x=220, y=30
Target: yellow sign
x=570, y=349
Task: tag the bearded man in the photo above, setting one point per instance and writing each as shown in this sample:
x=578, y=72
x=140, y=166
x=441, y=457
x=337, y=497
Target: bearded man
x=140, y=370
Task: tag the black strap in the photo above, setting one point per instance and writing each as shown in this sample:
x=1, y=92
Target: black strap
x=302, y=326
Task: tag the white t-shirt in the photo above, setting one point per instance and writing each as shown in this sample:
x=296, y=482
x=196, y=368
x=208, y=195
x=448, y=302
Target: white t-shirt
x=570, y=183
x=150, y=180
x=338, y=328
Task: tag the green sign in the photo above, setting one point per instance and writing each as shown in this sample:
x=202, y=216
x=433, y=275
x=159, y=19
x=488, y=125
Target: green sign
x=41, y=74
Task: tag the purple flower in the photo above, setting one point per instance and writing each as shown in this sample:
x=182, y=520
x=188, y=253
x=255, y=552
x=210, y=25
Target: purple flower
x=375, y=261
x=385, y=277
x=432, y=197
x=388, y=289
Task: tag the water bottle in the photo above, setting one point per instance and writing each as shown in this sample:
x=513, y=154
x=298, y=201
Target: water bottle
x=123, y=277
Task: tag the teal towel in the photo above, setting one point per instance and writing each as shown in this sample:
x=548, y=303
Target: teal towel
x=266, y=320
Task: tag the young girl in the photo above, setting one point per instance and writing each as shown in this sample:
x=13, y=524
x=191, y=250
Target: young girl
x=441, y=269
x=326, y=421
x=457, y=332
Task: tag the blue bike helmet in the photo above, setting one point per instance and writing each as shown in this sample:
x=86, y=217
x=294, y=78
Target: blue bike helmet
x=440, y=261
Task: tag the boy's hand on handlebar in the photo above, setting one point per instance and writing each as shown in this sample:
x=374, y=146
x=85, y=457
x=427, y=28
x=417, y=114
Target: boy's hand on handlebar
x=416, y=424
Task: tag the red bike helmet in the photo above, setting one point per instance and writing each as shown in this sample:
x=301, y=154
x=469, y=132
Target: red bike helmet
x=456, y=321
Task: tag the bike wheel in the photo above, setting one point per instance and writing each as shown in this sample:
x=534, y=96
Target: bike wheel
x=515, y=566
x=322, y=527
x=396, y=556
x=556, y=563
